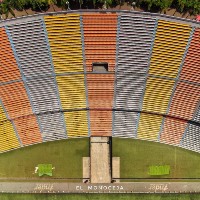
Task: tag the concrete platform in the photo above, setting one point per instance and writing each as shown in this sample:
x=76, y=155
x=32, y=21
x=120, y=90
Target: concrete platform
x=100, y=160
x=116, y=169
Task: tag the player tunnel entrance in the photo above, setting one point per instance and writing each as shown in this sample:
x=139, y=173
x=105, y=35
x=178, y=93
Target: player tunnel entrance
x=100, y=67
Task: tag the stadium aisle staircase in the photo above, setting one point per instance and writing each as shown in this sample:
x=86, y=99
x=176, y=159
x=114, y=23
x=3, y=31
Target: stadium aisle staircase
x=64, y=36
x=186, y=96
x=32, y=50
x=100, y=39
x=134, y=49
x=14, y=95
x=168, y=50
x=100, y=46
x=100, y=95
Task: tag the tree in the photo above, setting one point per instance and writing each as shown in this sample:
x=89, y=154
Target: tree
x=193, y=6
x=6, y=8
x=181, y=5
x=80, y=3
x=49, y=2
x=158, y=4
x=106, y=2
x=94, y=2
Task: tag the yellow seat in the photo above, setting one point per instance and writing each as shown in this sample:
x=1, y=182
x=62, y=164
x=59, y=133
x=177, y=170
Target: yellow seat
x=8, y=139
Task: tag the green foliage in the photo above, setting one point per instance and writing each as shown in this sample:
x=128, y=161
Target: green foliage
x=44, y=169
x=107, y=2
x=193, y=6
x=7, y=6
x=158, y=4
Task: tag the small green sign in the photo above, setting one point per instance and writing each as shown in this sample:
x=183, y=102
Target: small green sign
x=159, y=170
x=45, y=169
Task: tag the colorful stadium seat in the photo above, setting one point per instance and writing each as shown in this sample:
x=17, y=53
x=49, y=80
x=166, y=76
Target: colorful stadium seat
x=49, y=91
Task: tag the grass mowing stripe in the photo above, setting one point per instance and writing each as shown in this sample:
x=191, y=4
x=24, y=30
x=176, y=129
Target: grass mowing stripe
x=137, y=155
x=64, y=155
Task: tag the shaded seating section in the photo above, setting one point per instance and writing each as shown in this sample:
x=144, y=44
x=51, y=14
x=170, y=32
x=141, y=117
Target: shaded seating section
x=135, y=36
x=187, y=93
x=64, y=35
x=14, y=96
x=31, y=47
x=169, y=47
x=190, y=138
x=100, y=46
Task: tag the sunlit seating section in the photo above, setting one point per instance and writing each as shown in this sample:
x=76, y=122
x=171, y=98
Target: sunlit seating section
x=100, y=32
x=191, y=73
x=8, y=138
x=14, y=95
x=100, y=95
x=31, y=47
x=135, y=36
x=172, y=130
x=156, y=98
x=187, y=92
x=100, y=39
x=64, y=35
x=168, y=51
x=149, y=127
x=73, y=97
x=183, y=105
x=191, y=69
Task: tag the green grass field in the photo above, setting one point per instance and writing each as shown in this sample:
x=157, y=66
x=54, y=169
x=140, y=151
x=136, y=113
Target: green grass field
x=100, y=197
x=136, y=156
x=64, y=155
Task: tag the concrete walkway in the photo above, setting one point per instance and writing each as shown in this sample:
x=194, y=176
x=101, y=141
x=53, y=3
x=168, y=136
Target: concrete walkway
x=136, y=187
